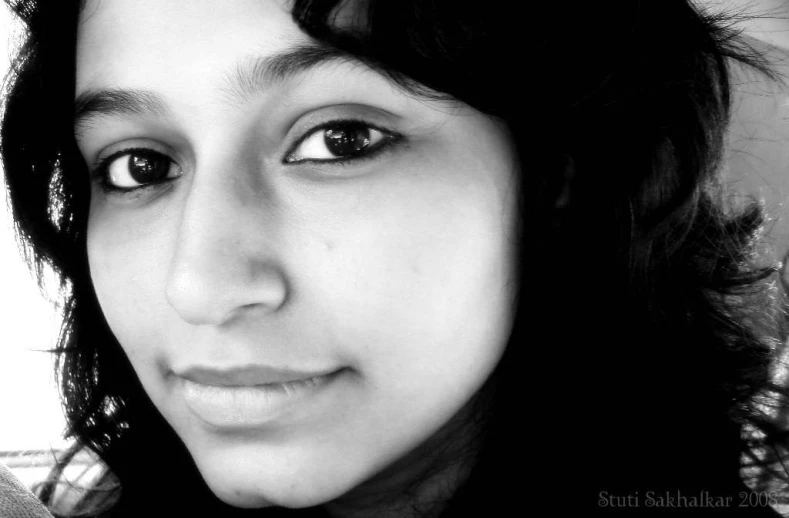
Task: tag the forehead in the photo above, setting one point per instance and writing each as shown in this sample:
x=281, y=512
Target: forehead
x=138, y=42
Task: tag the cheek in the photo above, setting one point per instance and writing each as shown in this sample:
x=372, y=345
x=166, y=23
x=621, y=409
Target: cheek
x=422, y=287
x=128, y=266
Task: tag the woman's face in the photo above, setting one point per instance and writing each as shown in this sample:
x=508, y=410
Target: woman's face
x=310, y=270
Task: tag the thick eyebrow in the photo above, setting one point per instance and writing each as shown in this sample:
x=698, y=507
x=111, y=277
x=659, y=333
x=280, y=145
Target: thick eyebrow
x=93, y=104
x=258, y=74
x=248, y=79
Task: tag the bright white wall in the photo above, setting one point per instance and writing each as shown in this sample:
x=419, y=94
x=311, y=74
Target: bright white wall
x=30, y=414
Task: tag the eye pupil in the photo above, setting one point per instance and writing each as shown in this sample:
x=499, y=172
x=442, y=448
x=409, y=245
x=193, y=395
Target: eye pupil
x=347, y=140
x=148, y=167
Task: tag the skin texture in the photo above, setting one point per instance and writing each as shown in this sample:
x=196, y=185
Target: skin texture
x=396, y=269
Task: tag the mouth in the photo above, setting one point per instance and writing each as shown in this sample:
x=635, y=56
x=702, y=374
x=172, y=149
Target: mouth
x=248, y=376
x=251, y=397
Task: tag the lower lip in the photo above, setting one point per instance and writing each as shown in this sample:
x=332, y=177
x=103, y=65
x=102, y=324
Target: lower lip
x=253, y=405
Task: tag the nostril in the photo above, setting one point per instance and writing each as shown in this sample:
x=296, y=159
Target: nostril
x=223, y=257
x=204, y=295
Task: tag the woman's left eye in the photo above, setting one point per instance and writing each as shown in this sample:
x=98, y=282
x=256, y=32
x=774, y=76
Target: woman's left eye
x=339, y=141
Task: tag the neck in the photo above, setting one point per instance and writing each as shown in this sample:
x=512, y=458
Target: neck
x=420, y=484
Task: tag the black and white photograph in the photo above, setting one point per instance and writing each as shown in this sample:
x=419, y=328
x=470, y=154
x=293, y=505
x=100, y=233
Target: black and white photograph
x=394, y=258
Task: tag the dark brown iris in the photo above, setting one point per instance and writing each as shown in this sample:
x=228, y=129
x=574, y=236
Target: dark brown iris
x=148, y=167
x=347, y=139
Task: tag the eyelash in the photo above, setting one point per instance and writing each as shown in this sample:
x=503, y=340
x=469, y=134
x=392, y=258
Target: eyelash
x=388, y=139
x=102, y=171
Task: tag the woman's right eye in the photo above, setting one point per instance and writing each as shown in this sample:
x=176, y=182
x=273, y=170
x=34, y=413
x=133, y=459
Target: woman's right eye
x=132, y=169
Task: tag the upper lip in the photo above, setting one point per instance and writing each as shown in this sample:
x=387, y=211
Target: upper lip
x=247, y=375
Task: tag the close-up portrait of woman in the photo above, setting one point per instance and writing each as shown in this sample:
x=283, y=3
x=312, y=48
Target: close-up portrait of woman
x=401, y=258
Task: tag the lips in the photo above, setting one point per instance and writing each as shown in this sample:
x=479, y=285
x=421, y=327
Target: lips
x=247, y=376
x=253, y=397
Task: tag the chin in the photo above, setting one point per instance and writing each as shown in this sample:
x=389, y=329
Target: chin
x=247, y=495
x=247, y=485
x=239, y=498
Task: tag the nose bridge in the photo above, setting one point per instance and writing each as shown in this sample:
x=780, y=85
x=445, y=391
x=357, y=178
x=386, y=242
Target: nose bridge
x=223, y=260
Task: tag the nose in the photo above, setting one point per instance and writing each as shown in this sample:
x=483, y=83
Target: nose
x=225, y=262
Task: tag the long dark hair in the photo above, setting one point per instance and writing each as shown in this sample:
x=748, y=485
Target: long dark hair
x=646, y=323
